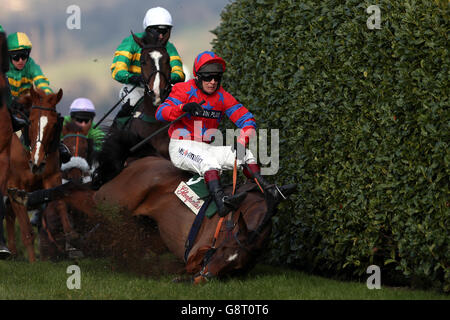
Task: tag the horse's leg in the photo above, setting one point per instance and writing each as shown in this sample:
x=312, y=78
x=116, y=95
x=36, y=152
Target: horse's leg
x=10, y=228
x=61, y=208
x=25, y=229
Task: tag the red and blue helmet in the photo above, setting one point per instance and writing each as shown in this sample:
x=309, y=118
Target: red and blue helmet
x=207, y=57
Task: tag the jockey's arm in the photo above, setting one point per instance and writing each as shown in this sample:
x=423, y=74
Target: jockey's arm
x=177, y=74
x=121, y=69
x=172, y=107
x=242, y=118
x=39, y=80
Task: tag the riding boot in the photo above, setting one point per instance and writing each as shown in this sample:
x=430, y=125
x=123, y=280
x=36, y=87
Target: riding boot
x=64, y=153
x=4, y=251
x=272, y=192
x=224, y=203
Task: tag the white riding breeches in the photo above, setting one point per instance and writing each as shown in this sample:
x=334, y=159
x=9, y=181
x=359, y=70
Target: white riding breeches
x=134, y=96
x=200, y=157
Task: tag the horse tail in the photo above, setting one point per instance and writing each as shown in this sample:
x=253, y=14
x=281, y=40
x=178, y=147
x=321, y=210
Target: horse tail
x=115, y=151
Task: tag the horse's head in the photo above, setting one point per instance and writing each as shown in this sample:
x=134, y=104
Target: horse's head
x=155, y=67
x=45, y=127
x=243, y=235
x=75, y=138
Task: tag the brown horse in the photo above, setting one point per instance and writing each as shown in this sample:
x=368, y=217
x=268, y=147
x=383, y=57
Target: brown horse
x=155, y=71
x=223, y=246
x=52, y=242
x=38, y=168
x=6, y=132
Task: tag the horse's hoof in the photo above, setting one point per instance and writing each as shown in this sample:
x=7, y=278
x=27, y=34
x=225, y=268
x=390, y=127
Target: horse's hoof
x=19, y=196
x=4, y=252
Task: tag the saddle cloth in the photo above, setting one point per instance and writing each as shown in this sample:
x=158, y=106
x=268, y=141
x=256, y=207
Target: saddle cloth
x=193, y=194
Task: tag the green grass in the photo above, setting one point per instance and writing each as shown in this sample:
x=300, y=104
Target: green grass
x=47, y=280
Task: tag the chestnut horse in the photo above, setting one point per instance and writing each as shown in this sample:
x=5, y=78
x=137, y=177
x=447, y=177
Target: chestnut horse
x=52, y=244
x=223, y=246
x=38, y=168
x=6, y=131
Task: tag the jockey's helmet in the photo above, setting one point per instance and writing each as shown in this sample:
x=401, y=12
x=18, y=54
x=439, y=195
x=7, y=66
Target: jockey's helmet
x=157, y=17
x=82, y=108
x=19, y=41
x=208, y=62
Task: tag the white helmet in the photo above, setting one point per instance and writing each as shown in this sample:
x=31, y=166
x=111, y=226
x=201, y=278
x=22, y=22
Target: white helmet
x=156, y=17
x=82, y=105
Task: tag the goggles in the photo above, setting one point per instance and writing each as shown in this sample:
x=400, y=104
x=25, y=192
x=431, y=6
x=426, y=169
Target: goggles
x=160, y=29
x=209, y=76
x=81, y=120
x=18, y=56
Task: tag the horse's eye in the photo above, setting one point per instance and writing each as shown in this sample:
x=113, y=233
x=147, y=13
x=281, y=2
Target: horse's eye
x=144, y=63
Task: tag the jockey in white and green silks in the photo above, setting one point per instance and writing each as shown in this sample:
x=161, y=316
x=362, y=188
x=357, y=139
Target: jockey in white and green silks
x=126, y=67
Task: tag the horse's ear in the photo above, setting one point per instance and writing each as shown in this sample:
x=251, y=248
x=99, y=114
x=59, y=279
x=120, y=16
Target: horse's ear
x=59, y=96
x=138, y=40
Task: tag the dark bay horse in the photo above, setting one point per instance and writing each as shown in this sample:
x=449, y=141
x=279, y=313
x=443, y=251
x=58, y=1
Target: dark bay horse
x=38, y=167
x=145, y=187
x=155, y=71
x=6, y=131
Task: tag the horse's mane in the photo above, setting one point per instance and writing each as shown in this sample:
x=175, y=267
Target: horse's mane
x=115, y=151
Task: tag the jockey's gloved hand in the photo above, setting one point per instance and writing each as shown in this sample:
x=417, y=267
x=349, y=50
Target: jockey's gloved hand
x=136, y=79
x=193, y=108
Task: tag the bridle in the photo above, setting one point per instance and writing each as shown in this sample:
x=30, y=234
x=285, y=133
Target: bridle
x=148, y=91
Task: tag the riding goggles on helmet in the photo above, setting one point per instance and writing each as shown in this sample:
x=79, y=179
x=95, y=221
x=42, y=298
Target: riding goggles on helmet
x=19, y=55
x=209, y=76
x=160, y=29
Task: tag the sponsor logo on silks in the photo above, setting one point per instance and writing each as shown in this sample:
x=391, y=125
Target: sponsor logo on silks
x=194, y=157
x=189, y=197
x=211, y=114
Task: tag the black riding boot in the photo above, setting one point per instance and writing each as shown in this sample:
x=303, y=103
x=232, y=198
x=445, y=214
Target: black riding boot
x=224, y=203
x=4, y=251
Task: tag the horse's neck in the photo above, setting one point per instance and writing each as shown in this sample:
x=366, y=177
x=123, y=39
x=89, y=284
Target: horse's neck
x=148, y=107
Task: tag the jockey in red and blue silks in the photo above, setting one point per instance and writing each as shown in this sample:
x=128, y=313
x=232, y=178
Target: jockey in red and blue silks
x=207, y=102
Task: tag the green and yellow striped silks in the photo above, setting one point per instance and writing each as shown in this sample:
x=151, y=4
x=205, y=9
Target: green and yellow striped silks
x=20, y=81
x=126, y=61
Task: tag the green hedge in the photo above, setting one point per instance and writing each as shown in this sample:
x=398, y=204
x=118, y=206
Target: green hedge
x=364, y=130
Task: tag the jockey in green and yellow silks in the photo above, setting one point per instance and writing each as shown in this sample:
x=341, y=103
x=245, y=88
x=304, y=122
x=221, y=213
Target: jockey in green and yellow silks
x=126, y=66
x=23, y=71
